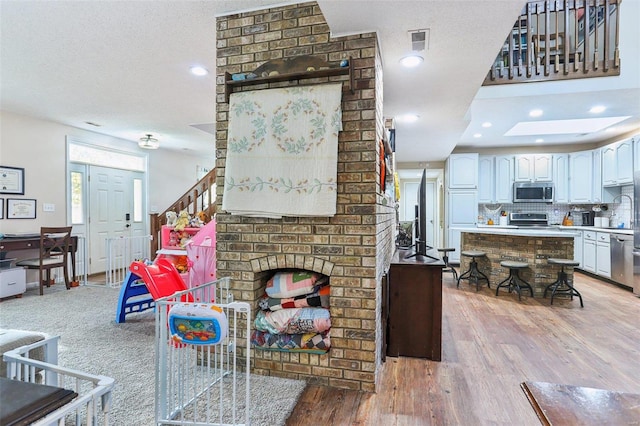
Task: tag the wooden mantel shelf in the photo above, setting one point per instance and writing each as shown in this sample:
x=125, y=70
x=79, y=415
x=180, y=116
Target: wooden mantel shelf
x=230, y=84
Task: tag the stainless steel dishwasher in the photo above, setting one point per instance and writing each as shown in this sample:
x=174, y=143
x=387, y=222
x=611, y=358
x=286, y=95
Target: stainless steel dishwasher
x=622, y=259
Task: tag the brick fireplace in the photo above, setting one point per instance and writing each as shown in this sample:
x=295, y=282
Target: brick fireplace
x=355, y=246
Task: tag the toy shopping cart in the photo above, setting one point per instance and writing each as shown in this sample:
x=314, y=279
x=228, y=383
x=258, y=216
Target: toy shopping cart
x=202, y=358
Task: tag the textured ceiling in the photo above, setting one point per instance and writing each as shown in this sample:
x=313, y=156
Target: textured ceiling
x=123, y=65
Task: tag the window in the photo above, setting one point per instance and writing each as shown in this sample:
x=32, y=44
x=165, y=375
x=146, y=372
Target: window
x=77, y=198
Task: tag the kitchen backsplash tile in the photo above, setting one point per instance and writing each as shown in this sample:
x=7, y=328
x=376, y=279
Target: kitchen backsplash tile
x=621, y=210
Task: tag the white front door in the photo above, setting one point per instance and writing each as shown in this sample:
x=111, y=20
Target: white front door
x=432, y=204
x=113, y=203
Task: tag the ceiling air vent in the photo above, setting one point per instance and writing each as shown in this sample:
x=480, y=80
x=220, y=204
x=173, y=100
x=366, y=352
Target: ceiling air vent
x=419, y=40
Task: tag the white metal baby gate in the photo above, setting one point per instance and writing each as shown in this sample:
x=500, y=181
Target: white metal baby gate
x=121, y=251
x=203, y=385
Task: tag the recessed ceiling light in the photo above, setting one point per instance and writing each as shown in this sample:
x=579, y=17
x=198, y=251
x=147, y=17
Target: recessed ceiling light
x=563, y=127
x=477, y=135
x=408, y=118
x=411, y=61
x=597, y=109
x=199, y=71
x=539, y=140
x=486, y=124
x=535, y=113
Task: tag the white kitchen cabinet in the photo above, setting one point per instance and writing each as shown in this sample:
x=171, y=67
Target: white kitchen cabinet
x=589, y=251
x=504, y=179
x=533, y=168
x=596, y=190
x=560, y=178
x=636, y=152
x=454, y=237
x=462, y=171
x=486, y=179
x=495, y=179
x=581, y=177
x=577, y=248
x=462, y=212
x=617, y=163
x=603, y=254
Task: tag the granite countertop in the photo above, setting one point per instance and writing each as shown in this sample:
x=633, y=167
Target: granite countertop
x=547, y=231
x=522, y=232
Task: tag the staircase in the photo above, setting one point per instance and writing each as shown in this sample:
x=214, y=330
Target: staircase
x=200, y=197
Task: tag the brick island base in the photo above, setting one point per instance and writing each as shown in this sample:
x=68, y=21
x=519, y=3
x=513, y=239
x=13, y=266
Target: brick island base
x=535, y=250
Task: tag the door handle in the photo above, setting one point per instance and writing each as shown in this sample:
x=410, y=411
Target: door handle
x=128, y=225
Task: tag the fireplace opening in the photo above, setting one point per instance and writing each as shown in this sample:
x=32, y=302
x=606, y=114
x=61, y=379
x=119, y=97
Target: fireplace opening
x=293, y=313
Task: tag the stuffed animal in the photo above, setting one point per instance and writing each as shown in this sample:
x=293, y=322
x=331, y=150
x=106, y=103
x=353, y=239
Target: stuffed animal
x=171, y=218
x=183, y=221
x=204, y=217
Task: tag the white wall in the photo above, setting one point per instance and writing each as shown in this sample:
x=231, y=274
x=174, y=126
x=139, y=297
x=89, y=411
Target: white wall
x=39, y=147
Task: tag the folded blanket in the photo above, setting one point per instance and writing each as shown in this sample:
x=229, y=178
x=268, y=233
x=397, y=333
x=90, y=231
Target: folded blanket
x=318, y=299
x=309, y=342
x=291, y=284
x=294, y=321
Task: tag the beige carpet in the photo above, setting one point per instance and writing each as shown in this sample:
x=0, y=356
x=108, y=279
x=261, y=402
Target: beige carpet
x=91, y=341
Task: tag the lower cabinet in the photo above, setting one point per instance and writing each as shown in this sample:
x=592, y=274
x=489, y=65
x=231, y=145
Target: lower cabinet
x=596, y=253
x=414, y=311
x=603, y=254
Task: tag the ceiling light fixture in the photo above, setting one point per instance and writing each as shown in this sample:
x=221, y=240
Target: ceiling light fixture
x=411, y=61
x=597, y=109
x=539, y=140
x=486, y=124
x=148, y=142
x=535, y=113
x=477, y=135
x=199, y=71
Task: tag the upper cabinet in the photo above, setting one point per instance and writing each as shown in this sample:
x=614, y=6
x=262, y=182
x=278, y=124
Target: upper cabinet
x=534, y=168
x=561, y=178
x=504, y=179
x=462, y=171
x=581, y=177
x=495, y=179
x=486, y=179
x=636, y=152
x=617, y=163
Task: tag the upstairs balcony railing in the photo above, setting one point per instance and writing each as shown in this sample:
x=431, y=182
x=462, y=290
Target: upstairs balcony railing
x=563, y=39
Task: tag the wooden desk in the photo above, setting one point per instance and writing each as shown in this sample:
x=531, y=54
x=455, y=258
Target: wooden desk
x=414, y=324
x=33, y=243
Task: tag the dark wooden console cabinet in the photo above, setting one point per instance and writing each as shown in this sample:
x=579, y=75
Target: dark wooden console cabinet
x=414, y=297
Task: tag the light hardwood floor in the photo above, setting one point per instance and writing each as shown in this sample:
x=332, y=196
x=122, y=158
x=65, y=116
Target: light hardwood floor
x=490, y=346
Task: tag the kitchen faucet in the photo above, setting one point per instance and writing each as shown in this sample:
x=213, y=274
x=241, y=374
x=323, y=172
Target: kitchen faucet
x=630, y=203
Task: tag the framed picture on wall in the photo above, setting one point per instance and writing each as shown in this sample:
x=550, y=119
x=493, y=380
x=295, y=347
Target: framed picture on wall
x=1, y=208
x=20, y=208
x=11, y=180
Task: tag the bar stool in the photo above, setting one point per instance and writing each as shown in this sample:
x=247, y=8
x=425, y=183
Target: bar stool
x=562, y=285
x=513, y=281
x=445, y=259
x=473, y=273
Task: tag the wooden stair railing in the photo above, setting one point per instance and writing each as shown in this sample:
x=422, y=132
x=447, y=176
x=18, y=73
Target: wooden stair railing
x=560, y=40
x=200, y=197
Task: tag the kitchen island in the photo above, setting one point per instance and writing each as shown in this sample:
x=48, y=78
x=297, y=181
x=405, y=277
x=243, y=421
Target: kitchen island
x=533, y=246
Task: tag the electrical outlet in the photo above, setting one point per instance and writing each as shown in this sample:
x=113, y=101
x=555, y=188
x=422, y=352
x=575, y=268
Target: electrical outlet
x=48, y=207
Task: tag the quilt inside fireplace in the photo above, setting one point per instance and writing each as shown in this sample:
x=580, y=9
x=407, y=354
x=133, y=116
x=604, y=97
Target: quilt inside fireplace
x=294, y=313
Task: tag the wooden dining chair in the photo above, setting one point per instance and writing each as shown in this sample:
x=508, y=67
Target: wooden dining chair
x=55, y=245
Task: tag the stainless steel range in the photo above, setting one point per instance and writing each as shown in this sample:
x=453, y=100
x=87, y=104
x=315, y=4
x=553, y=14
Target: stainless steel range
x=529, y=219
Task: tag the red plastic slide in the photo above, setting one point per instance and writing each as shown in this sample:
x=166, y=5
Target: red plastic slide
x=162, y=278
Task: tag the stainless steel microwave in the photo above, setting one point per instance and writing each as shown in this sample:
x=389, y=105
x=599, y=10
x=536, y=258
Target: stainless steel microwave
x=533, y=192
